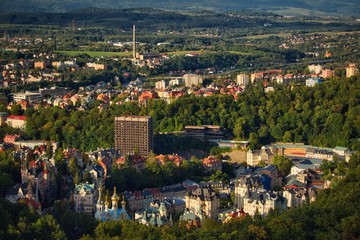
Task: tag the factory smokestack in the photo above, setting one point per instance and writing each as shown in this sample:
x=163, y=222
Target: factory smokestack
x=134, y=43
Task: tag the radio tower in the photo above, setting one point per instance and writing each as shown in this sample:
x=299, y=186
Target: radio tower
x=134, y=43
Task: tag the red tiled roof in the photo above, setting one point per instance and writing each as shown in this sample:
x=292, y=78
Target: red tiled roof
x=31, y=203
x=32, y=164
x=16, y=117
x=211, y=161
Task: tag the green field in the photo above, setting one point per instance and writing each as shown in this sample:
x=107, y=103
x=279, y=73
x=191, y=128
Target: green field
x=96, y=54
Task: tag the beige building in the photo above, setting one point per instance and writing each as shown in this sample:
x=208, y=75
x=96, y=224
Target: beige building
x=295, y=197
x=257, y=77
x=254, y=157
x=243, y=79
x=16, y=121
x=161, y=84
x=192, y=79
x=262, y=202
x=40, y=65
x=351, y=70
x=96, y=66
x=134, y=134
x=202, y=202
x=84, y=197
x=326, y=73
x=315, y=69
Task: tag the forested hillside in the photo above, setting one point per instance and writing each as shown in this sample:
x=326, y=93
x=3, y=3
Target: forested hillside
x=306, y=6
x=325, y=115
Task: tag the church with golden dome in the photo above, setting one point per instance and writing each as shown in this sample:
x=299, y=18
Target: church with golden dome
x=105, y=212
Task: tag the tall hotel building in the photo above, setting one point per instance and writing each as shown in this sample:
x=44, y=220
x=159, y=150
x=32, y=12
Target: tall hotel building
x=134, y=134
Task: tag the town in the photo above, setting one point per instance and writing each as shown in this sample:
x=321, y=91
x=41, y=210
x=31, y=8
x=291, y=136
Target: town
x=143, y=137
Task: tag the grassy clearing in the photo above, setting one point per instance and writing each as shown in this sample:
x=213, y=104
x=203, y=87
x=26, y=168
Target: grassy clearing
x=188, y=52
x=289, y=34
x=268, y=35
x=96, y=54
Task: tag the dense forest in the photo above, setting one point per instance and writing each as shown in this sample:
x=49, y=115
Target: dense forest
x=299, y=7
x=325, y=115
x=334, y=215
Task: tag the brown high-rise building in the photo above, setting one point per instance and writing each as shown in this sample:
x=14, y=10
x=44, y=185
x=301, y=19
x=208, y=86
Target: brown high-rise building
x=134, y=134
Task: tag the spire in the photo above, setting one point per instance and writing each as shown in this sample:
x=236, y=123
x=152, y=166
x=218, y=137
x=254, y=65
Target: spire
x=106, y=203
x=30, y=191
x=99, y=199
x=123, y=203
x=114, y=200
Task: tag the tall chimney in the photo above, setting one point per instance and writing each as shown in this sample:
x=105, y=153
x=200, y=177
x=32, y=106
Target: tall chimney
x=134, y=43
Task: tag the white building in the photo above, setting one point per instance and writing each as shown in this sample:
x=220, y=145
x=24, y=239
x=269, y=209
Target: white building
x=262, y=202
x=315, y=69
x=192, y=79
x=176, y=81
x=27, y=96
x=203, y=202
x=16, y=121
x=243, y=79
x=161, y=84
x=84, y=197
x=351, y=70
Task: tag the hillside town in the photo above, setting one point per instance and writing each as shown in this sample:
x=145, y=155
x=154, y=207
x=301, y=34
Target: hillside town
x=239, y=177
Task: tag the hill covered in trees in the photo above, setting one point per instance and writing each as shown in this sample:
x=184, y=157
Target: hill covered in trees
x=325, y=115
x=303, y=7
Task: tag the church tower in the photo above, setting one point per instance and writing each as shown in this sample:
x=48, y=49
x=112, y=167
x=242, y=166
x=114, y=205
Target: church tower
x=114, y=200
x=99, y=204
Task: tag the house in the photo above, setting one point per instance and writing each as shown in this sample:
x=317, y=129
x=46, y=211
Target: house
x=261, y=202
x=311, y=82
x=254, y=157
x=230, y=214
x=136, y=161
x=41, y=174
x=246, y=184
x=295, y=193
x=40, y=65
x=273, y=172
x=212, y=164
x=26, y=193
x=16, y=121
x=84, y=196
x=155, y=214
x=305, y=164
x=203, y=202
x=96, y=66
x=174, y=158
x=11, y=139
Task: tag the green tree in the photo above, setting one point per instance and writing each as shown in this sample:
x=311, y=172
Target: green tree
x=283, y=163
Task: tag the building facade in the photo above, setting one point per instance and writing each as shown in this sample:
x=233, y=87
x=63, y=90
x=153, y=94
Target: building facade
x=203, y=202
x=242, y=79
x=84, y=197
x=192, y=79
x=134, y=134
x=105, y=213
x=351, y=70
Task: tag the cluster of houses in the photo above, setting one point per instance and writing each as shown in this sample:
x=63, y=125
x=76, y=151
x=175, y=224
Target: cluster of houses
x=257, y=190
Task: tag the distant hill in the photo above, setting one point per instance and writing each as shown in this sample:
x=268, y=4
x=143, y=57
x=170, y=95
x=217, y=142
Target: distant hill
x=287, y=7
